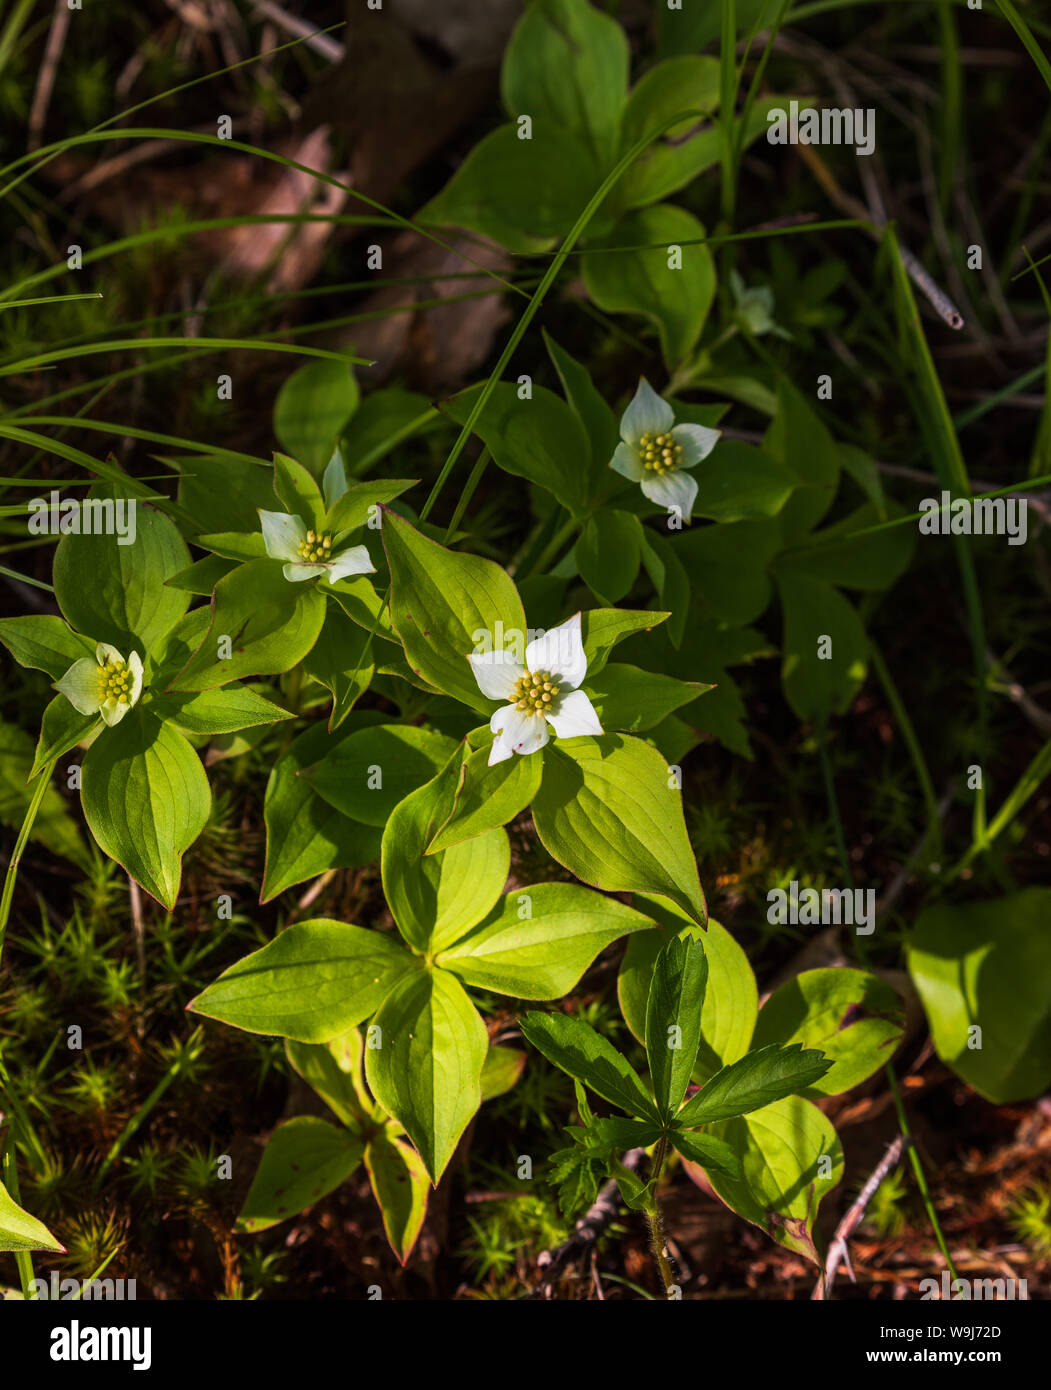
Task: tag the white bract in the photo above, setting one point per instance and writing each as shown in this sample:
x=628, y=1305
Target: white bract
x=542, y=692
x=654, y=450
x=308, y=553
x=106, y=685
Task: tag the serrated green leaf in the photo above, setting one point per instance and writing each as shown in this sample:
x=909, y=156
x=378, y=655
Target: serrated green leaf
x=578, y=1050
x=758, y=1079
x=673, y=1019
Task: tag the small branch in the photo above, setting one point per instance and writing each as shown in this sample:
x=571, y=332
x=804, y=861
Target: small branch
x=837, y=1251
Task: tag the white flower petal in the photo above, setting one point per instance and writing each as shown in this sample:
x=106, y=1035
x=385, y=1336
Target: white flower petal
x=647, y=414
x=282, y=534
x=521, y=730
x=627, y=463
x=496, y=673
x=697, y=442
x=501, y=750
x=356, y=560
x=135, y=667
x=334, y=480
x=559, y=651
x=113, y=711
x=104, y=652
x=80, y=685
x=673, y=490
x=295, y=573
x=575, y=716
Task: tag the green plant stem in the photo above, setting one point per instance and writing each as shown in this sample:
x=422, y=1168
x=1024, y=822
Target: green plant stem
x=655, y=1220
x=917, y=1168
x=43, y=782
x=984, y=835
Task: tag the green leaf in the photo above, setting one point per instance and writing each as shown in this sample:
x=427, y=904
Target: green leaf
x=539, y=438
x=541, y=955
x=608, y=812
x=664, y=568
x=487, y=797
x=591, y=409
x=673, y=1020
x=54, y=827
x=223, y=493
x=523, y=194
x=342, y=661
x=332, y=1069
x=297, y=489
x=730, y=999
x=872, y=562
x=854, y=1018
x=684, y=150
x=146, y=799
x=271, y=624
x=426, y=1066
x=355, y=507
x=233, y=545
x=626, y=698
x=201, y=578
x=825, y=648
x=444, y=606
x=631, y=281
x=503, y=1066
x=312, y=410
x=45, y=643
x=217, y=711
x=437, y=898
x=761, y=1077
x=400, y=1185
x=602, y=628
x=61, y=729
x=19, y=1231
x=306, y=1159
x=790, y=1158
x=738, y=482
x=367, y=774
x=608, y=554
x=305, y=836
x=315, y=980
x=798, y=439
x=568, y=63
x=578, y=1050
x=727, y=568
x=116, y=593
x=983, y=973
x=713, y=1155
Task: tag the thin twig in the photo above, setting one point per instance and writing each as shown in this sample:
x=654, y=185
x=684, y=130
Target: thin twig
x=56, y=41
x=837, y=1251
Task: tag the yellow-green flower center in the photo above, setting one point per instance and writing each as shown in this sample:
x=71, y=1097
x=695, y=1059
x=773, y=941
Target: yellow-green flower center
x=316, y=548
x=115, y=682
x=659, y=453
x=535, y=691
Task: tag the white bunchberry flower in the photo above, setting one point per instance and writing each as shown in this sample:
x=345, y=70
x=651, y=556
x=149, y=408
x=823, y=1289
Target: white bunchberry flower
x=308, y=553
x=107, y=685
x=542, y=692
x=655, y=450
